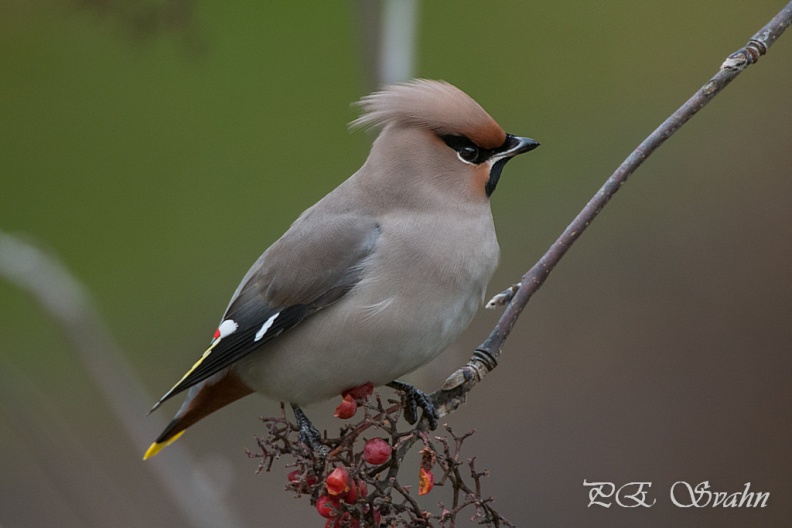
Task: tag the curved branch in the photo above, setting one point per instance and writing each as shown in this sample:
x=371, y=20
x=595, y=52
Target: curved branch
x=486, y=356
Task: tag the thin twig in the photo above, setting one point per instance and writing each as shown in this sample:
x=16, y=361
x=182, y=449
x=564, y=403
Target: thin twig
x=485, y=358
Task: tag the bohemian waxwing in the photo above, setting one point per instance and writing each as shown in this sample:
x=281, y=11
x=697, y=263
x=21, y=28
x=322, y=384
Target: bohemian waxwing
x=377, y=278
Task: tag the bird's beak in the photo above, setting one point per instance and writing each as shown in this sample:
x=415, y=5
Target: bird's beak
x=516, y=145
x=511, y=147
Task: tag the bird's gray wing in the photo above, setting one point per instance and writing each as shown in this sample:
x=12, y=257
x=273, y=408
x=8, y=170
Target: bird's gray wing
x=313, y=265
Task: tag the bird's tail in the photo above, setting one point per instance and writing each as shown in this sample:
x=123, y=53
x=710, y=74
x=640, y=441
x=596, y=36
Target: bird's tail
x=202, y=399
x=164, y=440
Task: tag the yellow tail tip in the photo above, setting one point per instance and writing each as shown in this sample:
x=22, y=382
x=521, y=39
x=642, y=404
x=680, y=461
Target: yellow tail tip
x=153, y=450
x=157, y=447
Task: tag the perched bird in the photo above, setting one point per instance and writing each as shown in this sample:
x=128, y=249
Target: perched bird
x=374, y=280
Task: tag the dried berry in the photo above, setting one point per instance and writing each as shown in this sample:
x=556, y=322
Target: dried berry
x=425, y=481
x=377, y=451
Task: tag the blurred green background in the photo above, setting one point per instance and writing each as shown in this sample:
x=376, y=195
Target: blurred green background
x=159, y=147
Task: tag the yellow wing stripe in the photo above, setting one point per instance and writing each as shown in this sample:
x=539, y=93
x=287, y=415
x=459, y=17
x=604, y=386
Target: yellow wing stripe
x=197, y=363
x=157, y=447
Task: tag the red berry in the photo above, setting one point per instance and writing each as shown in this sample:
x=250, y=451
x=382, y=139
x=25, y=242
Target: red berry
x=377, y=451
x=377, y=515
x=337, y=482
x=356, y=489
x=351, y=496
x=344, y=520
x=301, y=486
x=346, y=409
x=328, y=507
x=360, y=393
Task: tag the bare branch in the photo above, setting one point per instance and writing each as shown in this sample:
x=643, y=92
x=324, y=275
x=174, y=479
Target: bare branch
x=382, y=495
x=485, y=358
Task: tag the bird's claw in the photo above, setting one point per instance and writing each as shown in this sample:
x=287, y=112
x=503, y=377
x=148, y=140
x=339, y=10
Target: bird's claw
x=504, y=297
x=413, y=399
x=310, y=435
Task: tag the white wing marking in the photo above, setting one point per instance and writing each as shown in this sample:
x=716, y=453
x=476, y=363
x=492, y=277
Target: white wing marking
x=266, y=326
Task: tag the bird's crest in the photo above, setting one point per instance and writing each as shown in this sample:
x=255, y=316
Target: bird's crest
x=435, y=105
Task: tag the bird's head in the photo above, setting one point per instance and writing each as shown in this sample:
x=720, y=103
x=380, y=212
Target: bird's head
x=434, y=135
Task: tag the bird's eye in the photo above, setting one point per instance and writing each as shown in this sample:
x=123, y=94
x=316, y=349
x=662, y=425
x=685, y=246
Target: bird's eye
x=466, y=150
x=468, y=154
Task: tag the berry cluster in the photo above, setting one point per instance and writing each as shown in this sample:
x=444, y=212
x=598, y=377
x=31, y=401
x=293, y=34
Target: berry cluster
x=341, y=488
x=357, y=483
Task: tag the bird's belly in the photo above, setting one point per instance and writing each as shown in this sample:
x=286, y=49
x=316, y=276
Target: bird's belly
x=357, y=341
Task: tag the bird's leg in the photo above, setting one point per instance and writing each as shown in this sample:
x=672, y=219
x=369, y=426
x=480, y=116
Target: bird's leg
x=414, y=398
x=309, y=435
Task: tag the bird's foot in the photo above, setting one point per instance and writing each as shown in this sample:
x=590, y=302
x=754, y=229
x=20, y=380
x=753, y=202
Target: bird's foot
x=309, y=435
x=414, y=398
